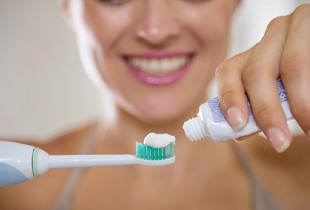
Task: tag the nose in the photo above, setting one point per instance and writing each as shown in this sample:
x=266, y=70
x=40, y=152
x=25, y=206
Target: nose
x=158, y=22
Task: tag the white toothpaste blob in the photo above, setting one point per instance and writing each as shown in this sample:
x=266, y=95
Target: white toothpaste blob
x=158, y=140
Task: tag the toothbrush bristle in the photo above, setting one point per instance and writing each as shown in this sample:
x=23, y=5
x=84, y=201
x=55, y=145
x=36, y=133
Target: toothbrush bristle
x=149, y=153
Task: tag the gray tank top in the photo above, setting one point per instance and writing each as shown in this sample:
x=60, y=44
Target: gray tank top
x=261, y=199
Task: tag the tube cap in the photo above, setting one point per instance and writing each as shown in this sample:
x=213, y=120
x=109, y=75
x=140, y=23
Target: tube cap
x=194, y=129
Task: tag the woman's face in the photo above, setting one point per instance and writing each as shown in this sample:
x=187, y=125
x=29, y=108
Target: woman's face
x=155, y=56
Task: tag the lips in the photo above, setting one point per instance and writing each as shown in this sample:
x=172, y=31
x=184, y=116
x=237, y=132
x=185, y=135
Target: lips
x=158, y=68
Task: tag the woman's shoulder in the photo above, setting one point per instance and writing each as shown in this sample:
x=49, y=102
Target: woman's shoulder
x=71, y=139
x=67, y=142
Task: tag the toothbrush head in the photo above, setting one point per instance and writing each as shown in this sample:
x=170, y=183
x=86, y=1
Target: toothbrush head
x=156, y=154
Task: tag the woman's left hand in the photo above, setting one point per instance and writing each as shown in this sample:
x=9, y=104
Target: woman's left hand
x=283, y=52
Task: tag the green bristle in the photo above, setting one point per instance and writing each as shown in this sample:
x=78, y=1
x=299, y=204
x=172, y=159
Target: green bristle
x=150, y=153
x=156, y=155
x=164, y=153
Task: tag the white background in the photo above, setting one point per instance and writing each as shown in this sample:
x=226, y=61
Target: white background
x=43, y=89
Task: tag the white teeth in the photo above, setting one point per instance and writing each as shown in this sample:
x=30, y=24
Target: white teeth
x=158, y=66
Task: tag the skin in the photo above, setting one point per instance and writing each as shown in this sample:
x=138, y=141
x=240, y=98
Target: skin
x=205, y=175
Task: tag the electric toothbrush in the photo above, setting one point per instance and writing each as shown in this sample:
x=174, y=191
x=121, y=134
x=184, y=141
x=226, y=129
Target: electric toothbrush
x=20, y=162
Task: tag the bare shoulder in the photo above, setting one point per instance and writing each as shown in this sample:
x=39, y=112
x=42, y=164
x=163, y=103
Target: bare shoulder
x=70, y=141
x=42, y=192
x=279, y=172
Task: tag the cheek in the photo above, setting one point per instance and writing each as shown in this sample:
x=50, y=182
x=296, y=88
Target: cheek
x=211, y=24
x=100, y=31
x=105, y=29
x=213, y=34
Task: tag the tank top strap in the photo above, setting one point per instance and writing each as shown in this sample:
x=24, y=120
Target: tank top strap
x=261, y=198
x=64, y=200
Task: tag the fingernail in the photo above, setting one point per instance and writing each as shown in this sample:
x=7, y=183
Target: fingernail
x=236, y=118
x=278, y=139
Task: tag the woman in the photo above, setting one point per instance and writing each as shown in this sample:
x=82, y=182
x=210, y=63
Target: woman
x=157, y=58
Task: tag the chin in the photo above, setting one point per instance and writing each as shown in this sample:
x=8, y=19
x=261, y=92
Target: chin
x=160, y=115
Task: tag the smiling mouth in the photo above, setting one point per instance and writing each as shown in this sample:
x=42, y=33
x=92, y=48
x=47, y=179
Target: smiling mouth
x=158, y=66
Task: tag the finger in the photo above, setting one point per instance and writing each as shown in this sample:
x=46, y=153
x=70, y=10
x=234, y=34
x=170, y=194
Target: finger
x=260, y=82
x=231, y=93
x=243, y=138
x=295, y=66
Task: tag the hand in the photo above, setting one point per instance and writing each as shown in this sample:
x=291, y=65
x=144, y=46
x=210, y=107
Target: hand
x=284, y=52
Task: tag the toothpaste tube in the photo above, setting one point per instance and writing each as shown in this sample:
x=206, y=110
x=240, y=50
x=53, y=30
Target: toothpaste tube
x=210, y=122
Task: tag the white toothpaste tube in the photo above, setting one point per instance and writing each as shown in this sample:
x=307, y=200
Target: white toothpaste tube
x=210, y=122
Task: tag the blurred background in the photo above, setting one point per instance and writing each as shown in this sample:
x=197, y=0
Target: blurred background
x=43, y=89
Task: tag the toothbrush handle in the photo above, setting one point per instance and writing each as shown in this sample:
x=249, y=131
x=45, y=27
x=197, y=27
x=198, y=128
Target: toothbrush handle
x=15, y=162
x=75, y=161
x=20, y=162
